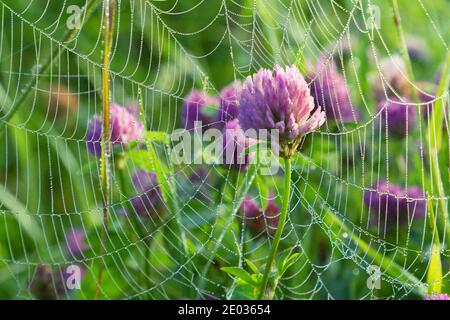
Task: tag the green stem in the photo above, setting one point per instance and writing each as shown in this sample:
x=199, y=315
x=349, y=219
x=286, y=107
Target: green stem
x=281, y=223
x=109, y=13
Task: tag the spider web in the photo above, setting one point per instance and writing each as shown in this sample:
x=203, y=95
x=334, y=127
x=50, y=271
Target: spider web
x=50, y=184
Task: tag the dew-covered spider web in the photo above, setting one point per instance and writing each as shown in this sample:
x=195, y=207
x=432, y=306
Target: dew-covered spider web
x=366, y=208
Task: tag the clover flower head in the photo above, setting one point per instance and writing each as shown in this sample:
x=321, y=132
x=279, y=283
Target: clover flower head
x=124, y=125
x=391, y=203
x=417, y=48
x=198, y=175
x=149, y=200
x=94, y=136
x=393, y=80
x=198, y=106
x=49, y=283
x=396, y=117
x=331, y=93
x=229, y=102
x=257, y=220
x=438, y=296
x=280, y=100
x=428, y=96
x=75, y=242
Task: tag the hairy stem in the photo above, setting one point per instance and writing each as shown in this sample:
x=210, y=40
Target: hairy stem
x=109, y=12
x=280, y=228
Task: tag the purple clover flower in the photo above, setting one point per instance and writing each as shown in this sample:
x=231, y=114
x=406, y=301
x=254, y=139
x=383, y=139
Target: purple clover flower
x=124, y=125
x=257, y=220
x=437, y=296
x=94, y=136
x=149, y=200
x=397, y=117
x=198, y=106
x=393, y=80
x=229, y=102
x=234, y=144
x=391, y=203
x=331, y=93
x=199, y=178
x=198, y=175
x=427, y=96
x=75, y=242
x=417, y=49
x=50, y=283
x=281, y=100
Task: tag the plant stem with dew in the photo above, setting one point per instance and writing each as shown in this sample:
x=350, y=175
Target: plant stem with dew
x=109, y=12
x=280, y=228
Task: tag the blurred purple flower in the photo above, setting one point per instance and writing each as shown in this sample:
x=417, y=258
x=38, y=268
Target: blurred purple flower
x=125, y=127
x=393, y=80
x=94, y=136
x=417, y=48
x=229, y=103
x=397, y=116
x=198, y=106
x=259, y=221
x=438, y=296
x=149, y=201
x=427, y=96
x=199, y=178
x=390, y=202
x=331, y=93
x=49, y=283
x=279, y=99
x=198, y=175
x=234, y=144
x=75, y=242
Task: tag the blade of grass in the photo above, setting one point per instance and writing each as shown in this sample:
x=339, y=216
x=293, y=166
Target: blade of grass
x=23, y=217
x=434, y=144
x=434, y=274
